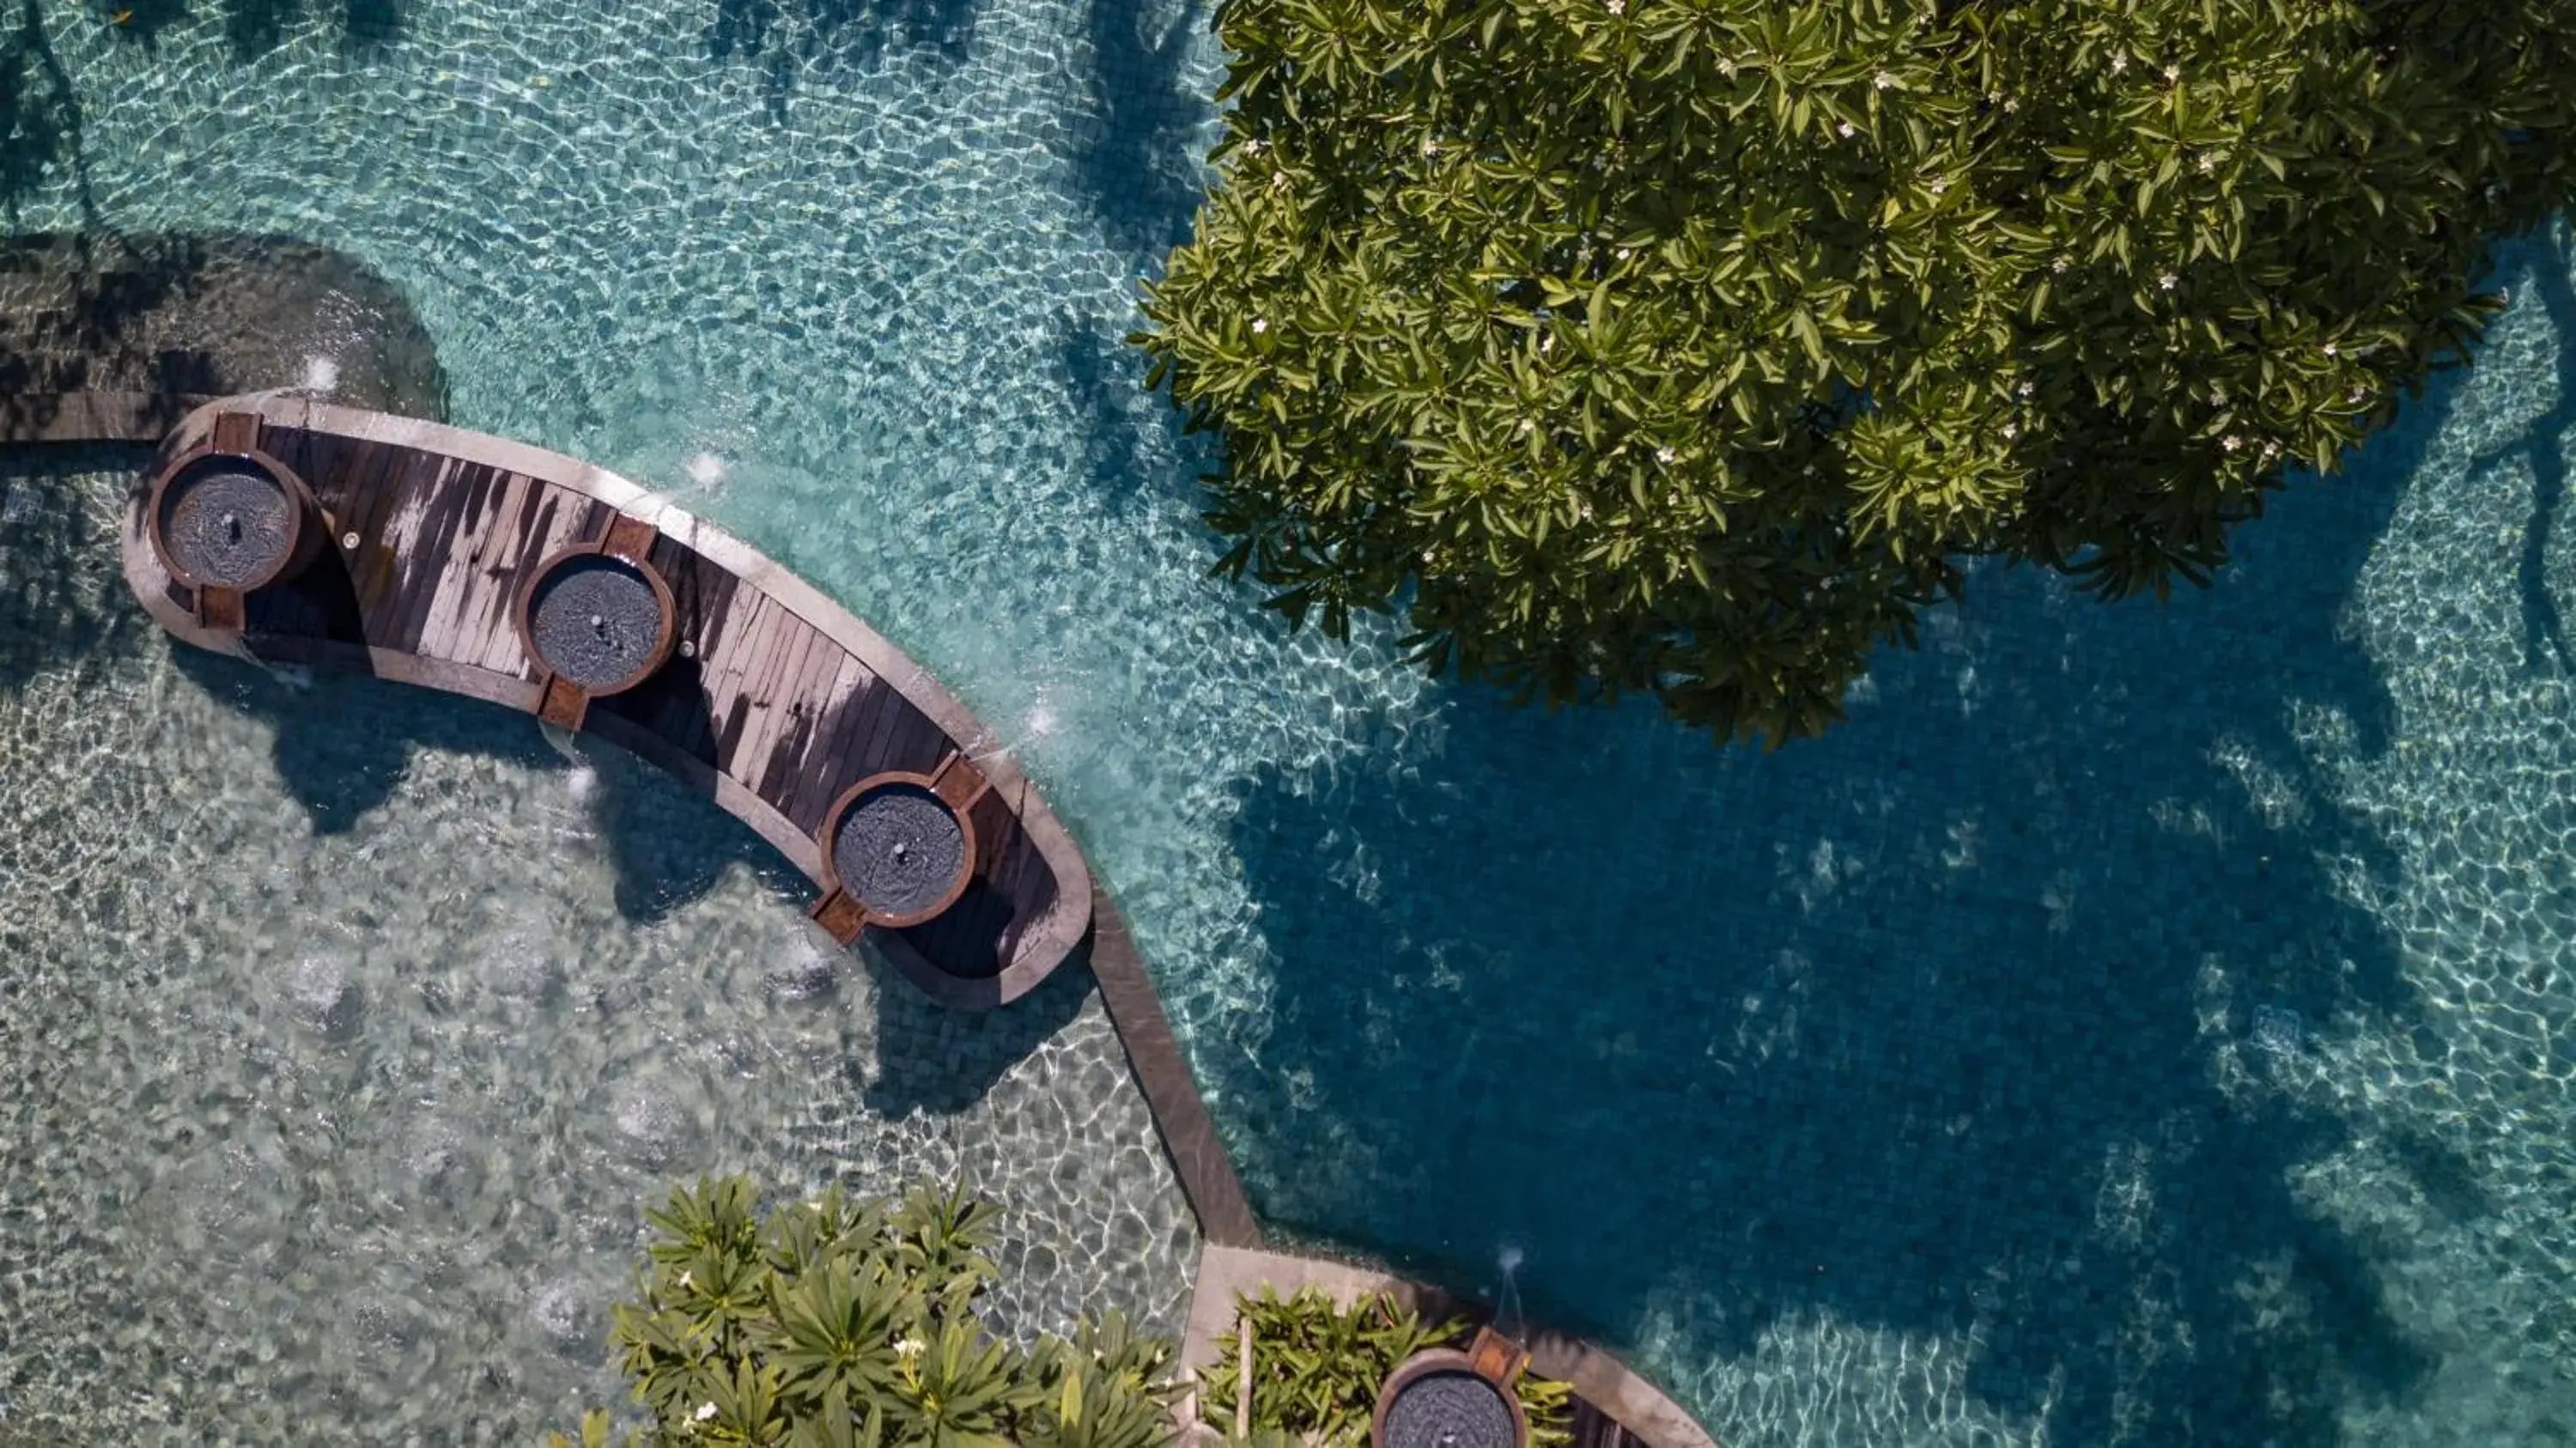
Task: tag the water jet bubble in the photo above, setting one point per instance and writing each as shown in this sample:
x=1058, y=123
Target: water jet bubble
x=561, y=1310
x=325, y=995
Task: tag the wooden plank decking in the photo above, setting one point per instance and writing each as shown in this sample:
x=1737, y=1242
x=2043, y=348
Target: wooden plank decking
x=776, y=700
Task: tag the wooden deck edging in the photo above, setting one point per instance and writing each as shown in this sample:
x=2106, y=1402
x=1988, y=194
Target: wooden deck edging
x=1181, y=1119
x=786, y=698
x=1637, y=1408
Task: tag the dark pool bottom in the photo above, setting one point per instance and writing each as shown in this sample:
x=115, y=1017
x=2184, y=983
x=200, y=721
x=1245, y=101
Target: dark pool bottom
x=898, y=849
x=227, y=525
x=595, y=621
x=1449, y=1409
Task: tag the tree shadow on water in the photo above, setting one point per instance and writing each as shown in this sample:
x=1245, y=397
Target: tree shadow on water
x=61, y=599
x=253, y=28
x=1957, y=1023
x=1137, y=159
x=934, y=1059
x=1118, y=425
x=40, y=116
x=789, y=39
x=2544, y=447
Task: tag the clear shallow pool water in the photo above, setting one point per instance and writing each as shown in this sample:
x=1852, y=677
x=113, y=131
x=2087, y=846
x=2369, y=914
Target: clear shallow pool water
x=2132, y=1028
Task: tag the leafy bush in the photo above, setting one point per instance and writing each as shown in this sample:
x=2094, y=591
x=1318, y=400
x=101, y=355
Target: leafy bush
x=838, y=1324
x=1690, y=345
x=1317, y=1368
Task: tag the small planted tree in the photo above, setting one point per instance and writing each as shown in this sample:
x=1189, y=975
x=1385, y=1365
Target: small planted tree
x=839, y=1324
x=1689, y=346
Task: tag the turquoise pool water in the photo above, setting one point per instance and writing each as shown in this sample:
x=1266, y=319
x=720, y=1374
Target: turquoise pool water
x=2132, y=1028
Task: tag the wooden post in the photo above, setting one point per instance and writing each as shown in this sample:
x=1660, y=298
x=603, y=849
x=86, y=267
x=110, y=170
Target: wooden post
x=1242, y=1372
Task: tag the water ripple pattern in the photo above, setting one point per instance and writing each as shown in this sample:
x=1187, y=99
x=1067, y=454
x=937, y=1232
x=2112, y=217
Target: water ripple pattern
x=350, y=1028
x=2137, y=1027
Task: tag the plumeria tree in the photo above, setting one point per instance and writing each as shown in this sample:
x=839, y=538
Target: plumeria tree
x=839, y=1324
x=1690, y=346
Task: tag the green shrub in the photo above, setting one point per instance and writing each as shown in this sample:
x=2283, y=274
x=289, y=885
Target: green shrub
x=1317, y=1368
x=1689, y=346
x=840, y=1324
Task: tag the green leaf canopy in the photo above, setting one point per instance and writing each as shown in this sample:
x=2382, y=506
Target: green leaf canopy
x=1689, y=346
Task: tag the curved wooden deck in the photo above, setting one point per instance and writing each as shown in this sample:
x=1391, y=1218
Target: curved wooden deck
x=777, y=701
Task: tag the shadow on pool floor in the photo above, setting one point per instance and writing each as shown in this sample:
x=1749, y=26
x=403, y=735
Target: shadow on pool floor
x=1910, y=1028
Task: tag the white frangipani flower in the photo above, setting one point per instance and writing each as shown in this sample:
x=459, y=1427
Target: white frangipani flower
x=2167, y=281
x=704, y=1412
x=1260, y=325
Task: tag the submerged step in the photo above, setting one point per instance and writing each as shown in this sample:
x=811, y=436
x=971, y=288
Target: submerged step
x=185, y=316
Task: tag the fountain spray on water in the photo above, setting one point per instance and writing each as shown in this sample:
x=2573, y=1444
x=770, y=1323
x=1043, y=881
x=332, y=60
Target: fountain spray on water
x=1507, y=1307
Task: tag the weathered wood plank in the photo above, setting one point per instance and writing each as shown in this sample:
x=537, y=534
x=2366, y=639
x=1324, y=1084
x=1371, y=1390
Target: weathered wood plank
x=384, y=571
x=421, y=560
x=748, y=714
x=819, y=771
x=781, y=704
x=746, y=632
x=524, y=535
x=444, y=555
x=476, y=602
x=368, y=500
x=886, y=704
x=444, y=617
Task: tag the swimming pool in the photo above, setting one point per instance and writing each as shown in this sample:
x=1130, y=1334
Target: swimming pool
x=2130, y=1028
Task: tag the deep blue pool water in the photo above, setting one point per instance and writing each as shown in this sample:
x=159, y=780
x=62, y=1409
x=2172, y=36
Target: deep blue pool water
x=2135, y=1026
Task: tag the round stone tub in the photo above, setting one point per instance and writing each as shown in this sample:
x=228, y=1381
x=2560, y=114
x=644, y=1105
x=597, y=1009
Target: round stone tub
x=897, y=848
x=234, y=521
x=1444, y=1398
x=597, y=621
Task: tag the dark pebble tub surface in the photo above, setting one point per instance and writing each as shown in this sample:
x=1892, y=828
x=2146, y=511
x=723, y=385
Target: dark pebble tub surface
x=898, y=849
x=595, y=621
x=227, y=526
x=1449, y=1409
